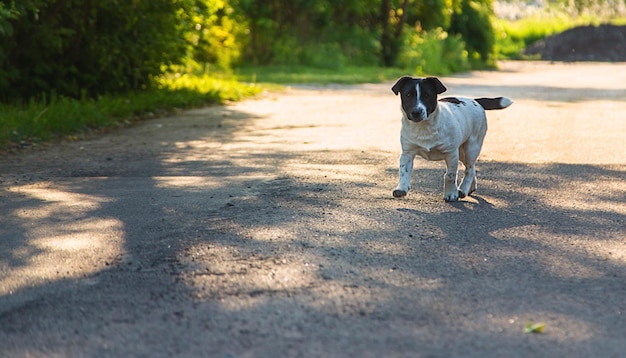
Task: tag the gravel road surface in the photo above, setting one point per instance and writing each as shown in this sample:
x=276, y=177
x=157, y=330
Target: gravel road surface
x=267, y=228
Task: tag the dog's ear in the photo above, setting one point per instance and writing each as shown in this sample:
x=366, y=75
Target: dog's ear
x=400, y=83
x=439, y=87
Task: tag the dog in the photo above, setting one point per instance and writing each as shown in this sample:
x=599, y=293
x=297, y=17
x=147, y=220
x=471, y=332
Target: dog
x=450, y=129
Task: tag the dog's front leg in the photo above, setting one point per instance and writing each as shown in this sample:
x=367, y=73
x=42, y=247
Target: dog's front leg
x=450, y=190
x=406, y=167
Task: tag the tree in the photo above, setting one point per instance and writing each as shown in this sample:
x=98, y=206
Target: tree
x=87, y=47
x=216, y=33
x=472, y=20
x=392, y=21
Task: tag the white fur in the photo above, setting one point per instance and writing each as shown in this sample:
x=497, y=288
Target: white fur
x=453, y=132
x=419, y=106
x=505, y=102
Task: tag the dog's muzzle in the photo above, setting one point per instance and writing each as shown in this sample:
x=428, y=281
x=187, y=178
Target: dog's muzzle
x=417, y=115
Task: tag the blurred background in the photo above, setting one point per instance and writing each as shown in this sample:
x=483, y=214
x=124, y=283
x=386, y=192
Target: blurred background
x=110, y=61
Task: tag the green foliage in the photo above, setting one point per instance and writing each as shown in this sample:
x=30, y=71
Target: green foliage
x=432, y=14
x=314, y=33
x=80, y=48
x=434, y=52
x=513, y=36
x=10, y=12
x=59, y=116
x=209, y=89
x=6, y=14
x=328, y=34
x=472, y=20
x=77, y=47
x=39, y=119
x=216, y=33
x=334, y=50
x=67, y=65
x=297, y=74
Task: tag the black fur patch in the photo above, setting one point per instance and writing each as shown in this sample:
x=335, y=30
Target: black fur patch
x=452, y=100
x=490, y=103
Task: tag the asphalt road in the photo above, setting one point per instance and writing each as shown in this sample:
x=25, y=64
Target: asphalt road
x=267, y=228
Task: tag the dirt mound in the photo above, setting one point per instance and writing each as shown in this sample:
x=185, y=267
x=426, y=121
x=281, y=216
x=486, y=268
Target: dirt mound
x=585, y=43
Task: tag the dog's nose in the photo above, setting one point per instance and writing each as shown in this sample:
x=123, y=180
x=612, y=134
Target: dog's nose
x=416, y=115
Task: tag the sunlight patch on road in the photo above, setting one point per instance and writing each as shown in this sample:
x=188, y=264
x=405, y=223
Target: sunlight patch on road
x=202, y=183
x=360, y=172
x=82, y=238
x=62, y=239
x=590, y=201
x=187, y=182
x=57, y=203
x=46, y=260
x=565, y=255
x=238, y=279
x=271, y=233
x=612, y=251
x=384, y=248
x=582, y=133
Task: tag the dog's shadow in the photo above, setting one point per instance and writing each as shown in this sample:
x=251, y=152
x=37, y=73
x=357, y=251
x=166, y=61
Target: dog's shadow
x=471, y=202
x=469, y=219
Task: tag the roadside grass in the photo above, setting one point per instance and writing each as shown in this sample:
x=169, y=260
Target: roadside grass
x=268, y=75
x=194, y=85
x=28, y=123
x=22, y=124
x=34, y=121
x=512, y=37
x=435, y=53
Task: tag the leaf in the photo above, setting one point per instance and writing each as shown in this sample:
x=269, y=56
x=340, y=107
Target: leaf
x=534, y=328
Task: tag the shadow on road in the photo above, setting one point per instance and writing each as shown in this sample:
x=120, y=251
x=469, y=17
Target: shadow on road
x=221, y=258
x=213, y=245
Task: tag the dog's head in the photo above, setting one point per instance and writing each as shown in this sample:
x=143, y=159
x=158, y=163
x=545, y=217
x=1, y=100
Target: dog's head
x=418, y=95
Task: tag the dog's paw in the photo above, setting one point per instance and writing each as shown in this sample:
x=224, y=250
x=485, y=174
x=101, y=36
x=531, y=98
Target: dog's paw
x=398, y=193
x=454, y=196
x=462, y=194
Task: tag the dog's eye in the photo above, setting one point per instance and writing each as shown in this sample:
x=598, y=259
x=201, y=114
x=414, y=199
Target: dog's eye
x=408, y=95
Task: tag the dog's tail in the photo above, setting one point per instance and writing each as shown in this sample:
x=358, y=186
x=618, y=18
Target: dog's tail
x=494, y=103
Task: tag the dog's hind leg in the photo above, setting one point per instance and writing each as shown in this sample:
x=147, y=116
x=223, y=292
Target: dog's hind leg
x=450, y=191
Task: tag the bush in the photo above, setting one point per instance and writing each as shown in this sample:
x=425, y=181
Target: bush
x=513, y=36
x=216, y=35
x=328, y=55
x=41, y=119
x=434, y=52
x=86, y=47
x=472, y=20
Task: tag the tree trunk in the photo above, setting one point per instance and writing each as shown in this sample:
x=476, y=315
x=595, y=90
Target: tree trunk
x=391, y=38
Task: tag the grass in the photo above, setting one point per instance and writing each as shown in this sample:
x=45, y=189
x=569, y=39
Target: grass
x=35, y=121
x=55, y=116
x=512, y=37
x=302, y=74
x=40, y=120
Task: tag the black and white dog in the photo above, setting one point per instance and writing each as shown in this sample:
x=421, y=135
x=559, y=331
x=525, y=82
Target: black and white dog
x=449, y=129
